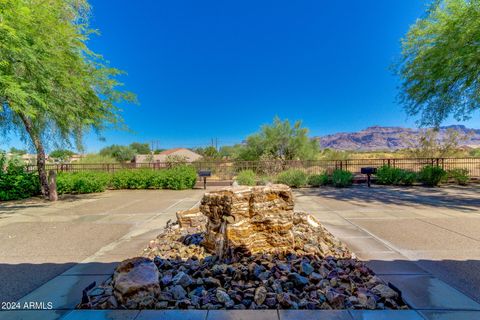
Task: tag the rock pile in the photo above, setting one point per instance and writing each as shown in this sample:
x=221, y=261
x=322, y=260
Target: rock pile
x=180, y=269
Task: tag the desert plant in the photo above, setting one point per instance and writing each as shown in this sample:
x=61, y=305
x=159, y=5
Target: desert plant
x=394, y=176
x=342, y=178
x=317, y=180
x=408, y=177
x=246, y=178
x=460, y=176
x=292, y=177
x=431, y=176
x=15, y=181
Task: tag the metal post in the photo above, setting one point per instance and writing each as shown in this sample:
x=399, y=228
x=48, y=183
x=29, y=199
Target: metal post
x=204, y=182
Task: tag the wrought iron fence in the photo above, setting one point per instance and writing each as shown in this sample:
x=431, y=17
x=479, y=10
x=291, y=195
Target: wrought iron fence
x=227, y=170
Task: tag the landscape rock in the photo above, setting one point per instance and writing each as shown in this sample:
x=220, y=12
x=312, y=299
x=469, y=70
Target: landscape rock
x=257, y=219
x=135, y=281
x=183, y=270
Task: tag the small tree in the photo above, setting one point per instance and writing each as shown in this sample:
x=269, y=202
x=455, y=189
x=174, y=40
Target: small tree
x=140, y=148
x=18, y=151
x=281, y=141
x=430, y=144
x=52, y=86
x=61, y=154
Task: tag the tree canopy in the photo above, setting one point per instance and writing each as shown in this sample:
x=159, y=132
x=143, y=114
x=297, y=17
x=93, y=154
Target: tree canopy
x=119, y=153
x=280, y=141
x=52, y=86
x=440, y=65
x=140, y=148
x=61, y=154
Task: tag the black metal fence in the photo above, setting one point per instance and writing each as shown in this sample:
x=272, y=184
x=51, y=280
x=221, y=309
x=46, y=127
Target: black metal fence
x=227, y=170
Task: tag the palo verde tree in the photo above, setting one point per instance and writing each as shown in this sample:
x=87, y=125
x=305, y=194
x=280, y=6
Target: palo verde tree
x=280, y=141
x=440, y=65
x=52, y=87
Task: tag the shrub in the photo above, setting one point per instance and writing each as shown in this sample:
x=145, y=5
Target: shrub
x=246, y=178
x=389, y=175
x=292, y=177
x=460, y=176
x=177, y=178
x=82, y=182
x=342, y=178
x=395, y=176
x=317, y=180
x=15, y=181
x=409, y=177
x=431, y=175
x=133, y=179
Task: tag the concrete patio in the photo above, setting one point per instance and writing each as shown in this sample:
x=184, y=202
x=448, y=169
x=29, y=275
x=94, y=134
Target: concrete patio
x=423, y=241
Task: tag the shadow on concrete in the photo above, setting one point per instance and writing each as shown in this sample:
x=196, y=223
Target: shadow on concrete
x=453, y=197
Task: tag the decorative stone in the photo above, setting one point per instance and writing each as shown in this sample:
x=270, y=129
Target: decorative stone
x=192, y=218
x=178, y=292
x=136, y=280
x=297, y=279
x=182, y=279
x=256, y=219
x=260, y=295
x=384, y=291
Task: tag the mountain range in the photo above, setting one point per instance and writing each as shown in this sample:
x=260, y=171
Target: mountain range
x=388, y=138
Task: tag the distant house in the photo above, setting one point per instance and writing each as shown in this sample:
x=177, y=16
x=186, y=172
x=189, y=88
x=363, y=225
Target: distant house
x=188, y=154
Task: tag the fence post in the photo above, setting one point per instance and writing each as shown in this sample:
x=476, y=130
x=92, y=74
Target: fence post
x=389, y=162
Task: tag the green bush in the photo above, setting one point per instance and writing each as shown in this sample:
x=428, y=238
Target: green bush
x=177, y=178
x=409, y=177
x=15, y=181
x=460, y=176
x=395, y=176
x=133, y=179
x=246, y=178
x=342, y=178
x=292, y=177
x=431, y=175
x=317, y=180
x=82, y=182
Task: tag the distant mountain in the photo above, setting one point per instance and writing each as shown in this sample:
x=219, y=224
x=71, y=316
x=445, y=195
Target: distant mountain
x=386, y=138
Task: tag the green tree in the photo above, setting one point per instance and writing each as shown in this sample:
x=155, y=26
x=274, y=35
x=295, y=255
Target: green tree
x=440, y=65
x=281, y=141
x=61, y=154
x=120, y=153
x=52, y=86
x=210, y=153
x=140, y=148
x=17, y=151
x=430, y=144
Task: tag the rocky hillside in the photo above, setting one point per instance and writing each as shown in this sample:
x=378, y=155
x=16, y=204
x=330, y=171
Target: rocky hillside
x=387, y=138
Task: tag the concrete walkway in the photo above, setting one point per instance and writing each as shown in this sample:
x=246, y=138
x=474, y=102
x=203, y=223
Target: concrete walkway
x=424, y=241
x=41, y=240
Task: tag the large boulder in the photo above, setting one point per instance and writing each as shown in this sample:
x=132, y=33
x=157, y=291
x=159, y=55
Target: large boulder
x=136, y=283
x=256, y=219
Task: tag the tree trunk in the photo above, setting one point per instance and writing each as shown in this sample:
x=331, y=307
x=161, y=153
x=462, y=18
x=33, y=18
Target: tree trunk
x=42, y=172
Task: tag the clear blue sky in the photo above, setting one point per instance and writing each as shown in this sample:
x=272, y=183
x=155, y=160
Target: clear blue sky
x=204, y=69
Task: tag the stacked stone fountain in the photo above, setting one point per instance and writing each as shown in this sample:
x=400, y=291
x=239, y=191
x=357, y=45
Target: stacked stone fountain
x=245, y=248
x=254, y=219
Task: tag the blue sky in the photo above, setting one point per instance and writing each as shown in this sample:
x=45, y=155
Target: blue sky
x=204, y=69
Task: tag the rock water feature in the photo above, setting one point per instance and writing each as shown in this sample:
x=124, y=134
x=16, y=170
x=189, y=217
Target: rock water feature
x=244, y=248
